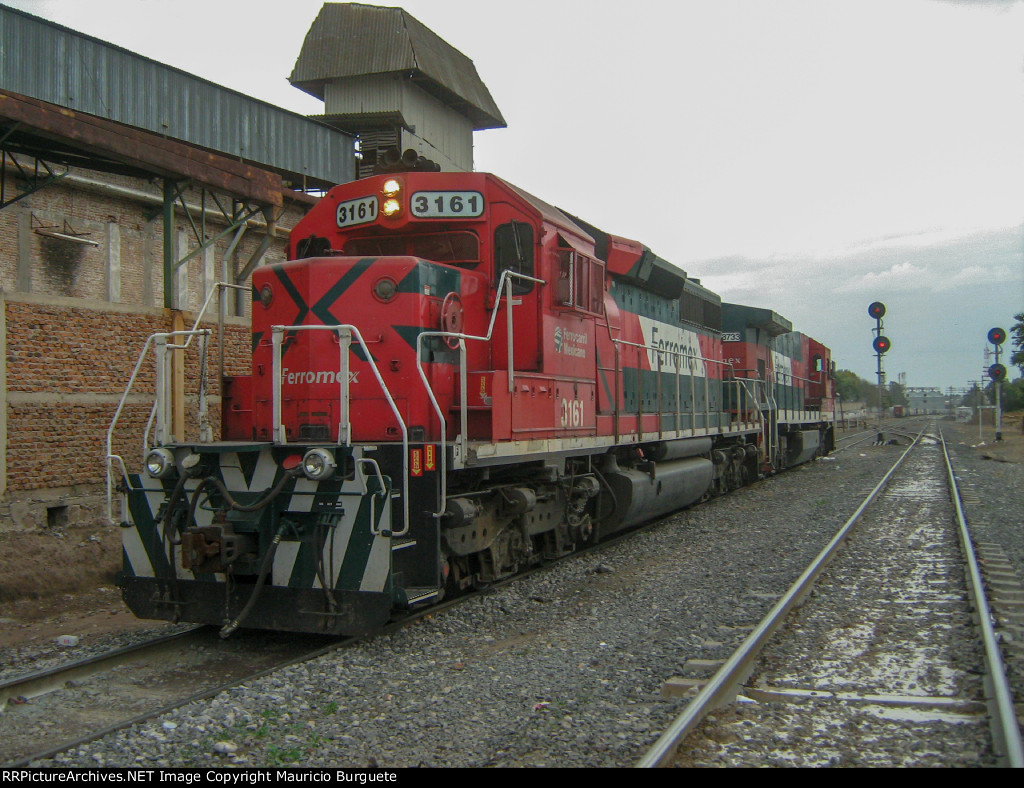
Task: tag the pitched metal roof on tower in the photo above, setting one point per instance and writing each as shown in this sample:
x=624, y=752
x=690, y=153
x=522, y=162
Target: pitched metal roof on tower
x=352, y=40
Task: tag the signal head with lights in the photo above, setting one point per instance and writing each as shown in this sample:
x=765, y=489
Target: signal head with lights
x=997, y=336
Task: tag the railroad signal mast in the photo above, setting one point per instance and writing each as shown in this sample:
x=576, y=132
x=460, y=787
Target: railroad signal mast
x=997, y=372
x=881, y=344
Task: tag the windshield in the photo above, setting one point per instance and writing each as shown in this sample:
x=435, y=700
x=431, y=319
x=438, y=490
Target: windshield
x=460, y=248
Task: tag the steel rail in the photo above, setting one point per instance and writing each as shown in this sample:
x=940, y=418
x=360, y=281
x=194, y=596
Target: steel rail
x=41, y=682
x=723, y=686
x=204, y=694
x=51, y=678
x=851, y=445
x=1006, y=732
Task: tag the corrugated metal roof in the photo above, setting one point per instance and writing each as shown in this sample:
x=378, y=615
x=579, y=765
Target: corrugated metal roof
x=61, y=66
x=352, y=40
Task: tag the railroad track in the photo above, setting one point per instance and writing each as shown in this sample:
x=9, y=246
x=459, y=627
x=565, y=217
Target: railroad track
x=51, y=711
x=883, y=651
x=54, y=710
x=507, y=641
x=902, y=431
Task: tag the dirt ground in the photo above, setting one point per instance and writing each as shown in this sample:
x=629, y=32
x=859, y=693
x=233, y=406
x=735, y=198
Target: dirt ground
x=1009, y=449
x=62, y=582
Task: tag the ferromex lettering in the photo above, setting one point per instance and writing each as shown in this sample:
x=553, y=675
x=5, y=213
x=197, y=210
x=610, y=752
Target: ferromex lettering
x=290, y=378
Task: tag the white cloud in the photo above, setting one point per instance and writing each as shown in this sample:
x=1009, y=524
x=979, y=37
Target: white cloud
x=900, y=276
x=975, y=275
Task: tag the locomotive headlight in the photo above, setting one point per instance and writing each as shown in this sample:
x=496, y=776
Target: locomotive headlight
x=159, y=463
x=318, y=464
x=391, y=207
x=392, y=186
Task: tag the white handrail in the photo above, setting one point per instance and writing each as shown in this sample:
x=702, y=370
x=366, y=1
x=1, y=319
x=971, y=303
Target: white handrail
x=503, y=281
x=160, y=404
x=345, y=334
x=158, y=412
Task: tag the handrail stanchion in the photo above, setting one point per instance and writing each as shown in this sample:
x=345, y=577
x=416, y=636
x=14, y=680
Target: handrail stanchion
x=639, y=396
x=678, y=392
x=660, y=430
x=508, y=330
x=160, y=411
x=162, y=400
x=693, y=397
x=205, y=428
x=344, y=406
x=707, y=400
x=279, y=432
x=618, y=381
x=463, y=397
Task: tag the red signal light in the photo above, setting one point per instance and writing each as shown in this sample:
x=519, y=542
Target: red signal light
x=877, y=310
x=997, y=336
x=881, y=344
x=997, y=372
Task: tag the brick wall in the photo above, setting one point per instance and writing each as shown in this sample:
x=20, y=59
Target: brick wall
x=67, y=367
x=73, y=320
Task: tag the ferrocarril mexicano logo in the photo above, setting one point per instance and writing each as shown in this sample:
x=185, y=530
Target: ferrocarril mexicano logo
x=570, y=343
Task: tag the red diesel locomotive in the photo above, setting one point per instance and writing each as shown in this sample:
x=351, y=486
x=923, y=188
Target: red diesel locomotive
x=452, y=380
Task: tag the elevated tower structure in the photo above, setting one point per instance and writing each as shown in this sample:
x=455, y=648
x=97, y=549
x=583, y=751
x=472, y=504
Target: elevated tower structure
x=387, y=78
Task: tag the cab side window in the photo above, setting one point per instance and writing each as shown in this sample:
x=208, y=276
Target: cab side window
x=580, y=282
x=513, y=251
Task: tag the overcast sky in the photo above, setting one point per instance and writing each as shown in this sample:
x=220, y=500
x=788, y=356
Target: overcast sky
x=807, y=156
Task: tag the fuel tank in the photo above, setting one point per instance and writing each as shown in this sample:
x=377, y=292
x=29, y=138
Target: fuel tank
x=678, y=449
x=803, y=445
x=641, y=495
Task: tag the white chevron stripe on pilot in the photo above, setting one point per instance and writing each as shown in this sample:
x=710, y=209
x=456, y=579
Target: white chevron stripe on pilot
x=262, y=478
x=138, y=558
x=378, y=564
x=284, y=562
x=155, y=496
x=336, y=547
x=302, y=497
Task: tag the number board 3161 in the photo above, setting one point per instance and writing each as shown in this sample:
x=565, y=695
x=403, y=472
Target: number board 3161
x=447, y=205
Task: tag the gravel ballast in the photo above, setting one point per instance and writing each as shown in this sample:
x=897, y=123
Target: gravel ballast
x=563, y=668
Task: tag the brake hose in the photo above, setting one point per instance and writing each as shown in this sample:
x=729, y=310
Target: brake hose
x=268, y=562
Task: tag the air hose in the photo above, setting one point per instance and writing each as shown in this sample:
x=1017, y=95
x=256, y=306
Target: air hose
x=268, y=562
x=255, y=507
x=268, y=558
